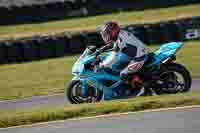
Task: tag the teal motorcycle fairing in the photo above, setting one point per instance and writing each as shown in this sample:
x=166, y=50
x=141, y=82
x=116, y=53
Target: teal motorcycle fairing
x=95, y=79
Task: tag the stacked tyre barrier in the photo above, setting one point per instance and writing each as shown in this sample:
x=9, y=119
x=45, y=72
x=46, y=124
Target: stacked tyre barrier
x=127, y=5
x=59, y=45
x=32, y=11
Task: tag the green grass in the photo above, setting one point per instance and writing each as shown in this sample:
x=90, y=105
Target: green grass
x=8, y=119
x=90, y=23
x=34, y=79
x=51, y=76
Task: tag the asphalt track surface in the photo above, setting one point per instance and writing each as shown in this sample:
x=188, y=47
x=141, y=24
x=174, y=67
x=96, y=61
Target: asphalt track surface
x=51, y=101
x=171, y=121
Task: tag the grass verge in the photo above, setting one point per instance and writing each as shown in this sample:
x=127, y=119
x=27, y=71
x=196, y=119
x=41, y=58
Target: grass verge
x=50, y=77
x=91, y=23
x=8, y=119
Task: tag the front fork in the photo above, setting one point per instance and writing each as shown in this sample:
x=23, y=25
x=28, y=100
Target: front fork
x=83, y=85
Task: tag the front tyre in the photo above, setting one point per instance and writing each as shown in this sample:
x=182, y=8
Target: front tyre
x=175, y=78
x=73, y=93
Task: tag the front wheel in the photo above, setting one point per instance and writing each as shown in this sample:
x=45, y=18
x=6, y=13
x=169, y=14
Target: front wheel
x=174, y=78
x=73, y=93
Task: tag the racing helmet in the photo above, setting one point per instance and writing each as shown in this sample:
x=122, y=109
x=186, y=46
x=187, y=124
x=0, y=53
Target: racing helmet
x=110, y=32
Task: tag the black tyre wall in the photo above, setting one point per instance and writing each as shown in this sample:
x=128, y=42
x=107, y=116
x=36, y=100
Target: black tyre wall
x=30, y=50
x=94, y=38
x=3, y=53
x=76, y=43
x=14, y=52
x=61, y=45
x=51, y=46
x=34, y=11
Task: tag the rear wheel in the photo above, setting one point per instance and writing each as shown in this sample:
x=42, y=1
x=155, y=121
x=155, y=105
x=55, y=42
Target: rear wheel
x=73, y=93
x=174, y=78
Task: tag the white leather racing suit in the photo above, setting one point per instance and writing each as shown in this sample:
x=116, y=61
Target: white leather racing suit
x=130, y=53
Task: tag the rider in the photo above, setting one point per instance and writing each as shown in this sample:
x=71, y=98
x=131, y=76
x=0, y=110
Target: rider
x=130, y=53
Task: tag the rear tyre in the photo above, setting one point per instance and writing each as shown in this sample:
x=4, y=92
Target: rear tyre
x=169, y=75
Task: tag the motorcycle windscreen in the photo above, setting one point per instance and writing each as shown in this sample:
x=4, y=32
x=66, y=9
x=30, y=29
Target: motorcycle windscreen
x=78, y=67
x=85, y=53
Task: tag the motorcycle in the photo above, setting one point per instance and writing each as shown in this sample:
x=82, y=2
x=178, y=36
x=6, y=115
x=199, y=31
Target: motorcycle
x=160, y=75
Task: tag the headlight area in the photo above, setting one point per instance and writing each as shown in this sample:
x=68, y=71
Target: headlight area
x=77, y=69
